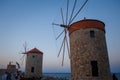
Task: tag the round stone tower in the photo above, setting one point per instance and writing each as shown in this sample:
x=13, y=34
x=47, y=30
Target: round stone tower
x=88, y=51
x=33, y=66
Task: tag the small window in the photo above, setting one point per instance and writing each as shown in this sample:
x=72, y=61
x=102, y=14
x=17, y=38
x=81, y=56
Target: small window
x=32, y=69
x=33, y=56
x=94, y=66
x=92, y=34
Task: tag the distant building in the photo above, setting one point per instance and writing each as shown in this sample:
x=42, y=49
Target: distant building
x=2, y=71
x=33, y=66
x=11, y=68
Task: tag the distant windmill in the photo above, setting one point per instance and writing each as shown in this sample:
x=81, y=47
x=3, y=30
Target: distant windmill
x=25, y=50
x=66, y=25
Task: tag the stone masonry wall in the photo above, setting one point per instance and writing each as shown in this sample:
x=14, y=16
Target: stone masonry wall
x=33, y=60
x=83, y=50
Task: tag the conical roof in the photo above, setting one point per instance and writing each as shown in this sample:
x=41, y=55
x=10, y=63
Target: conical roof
x=34, y=51
x=85, y=24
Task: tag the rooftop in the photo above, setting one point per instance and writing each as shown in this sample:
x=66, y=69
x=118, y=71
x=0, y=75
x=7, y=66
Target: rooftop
x=35, y=51
x=85, y=24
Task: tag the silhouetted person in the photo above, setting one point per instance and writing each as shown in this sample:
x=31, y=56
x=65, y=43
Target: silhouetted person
x=8, y=76
x=114, y=77
x=21, y=77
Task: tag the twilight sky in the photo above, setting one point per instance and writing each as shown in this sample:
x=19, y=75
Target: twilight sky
x=31, y=21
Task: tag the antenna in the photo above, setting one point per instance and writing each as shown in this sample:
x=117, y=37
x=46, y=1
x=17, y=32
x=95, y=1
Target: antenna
x=66, y=26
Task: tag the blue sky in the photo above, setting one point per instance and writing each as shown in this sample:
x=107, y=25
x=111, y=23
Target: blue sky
x=31, y=21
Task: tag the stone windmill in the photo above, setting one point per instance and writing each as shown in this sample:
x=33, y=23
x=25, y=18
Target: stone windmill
x=88, y=50
x=33, y=62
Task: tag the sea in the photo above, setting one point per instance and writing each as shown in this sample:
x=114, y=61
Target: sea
x=58, y=75
x=67, y=75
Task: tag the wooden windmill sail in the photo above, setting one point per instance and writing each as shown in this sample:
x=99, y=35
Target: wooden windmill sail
x=66, y=22
x=24, y=52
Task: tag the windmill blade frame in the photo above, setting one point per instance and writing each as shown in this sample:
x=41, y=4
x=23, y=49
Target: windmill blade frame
x=68, y=49
x=61, y=25
x=72, y=11
x=67, y=12
x=62, y=15
x=22, y=59
x=25, y=47
x=66, y=25
x=24, y=53
x=63, y=53
x=78, y=12
x=61, y=46
x=60, y=34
